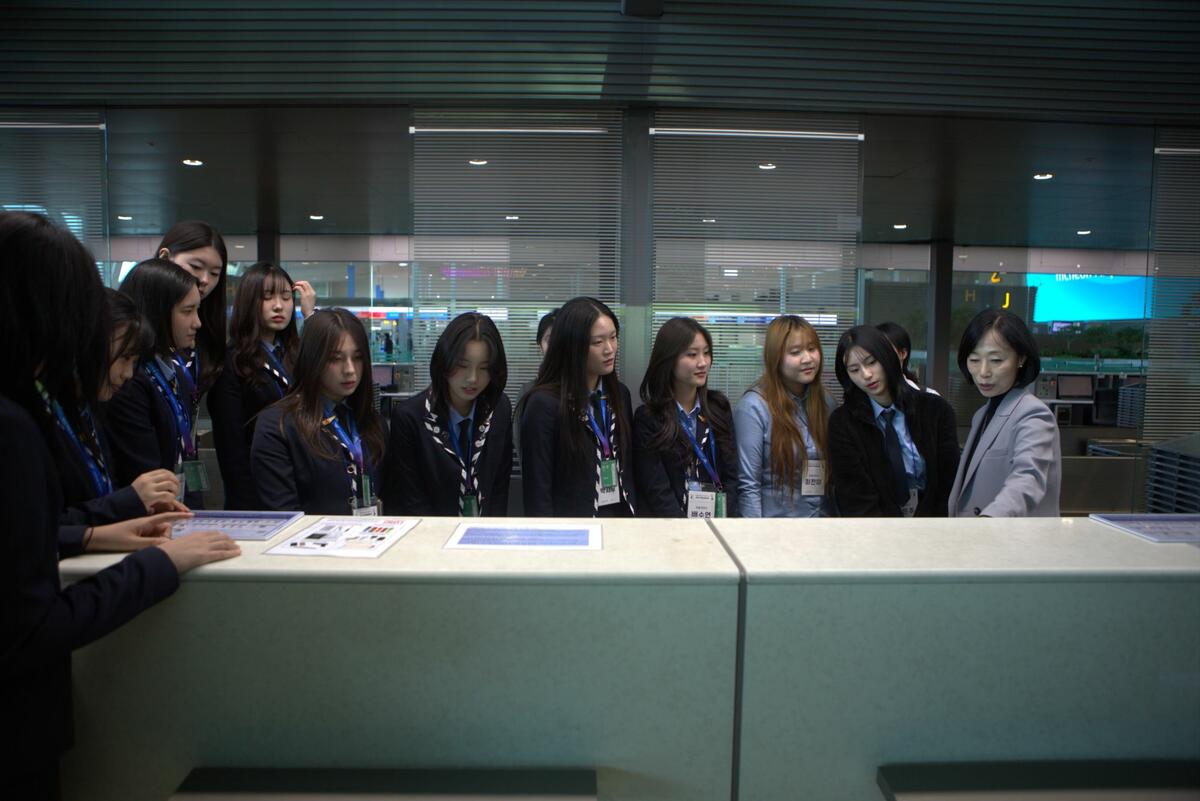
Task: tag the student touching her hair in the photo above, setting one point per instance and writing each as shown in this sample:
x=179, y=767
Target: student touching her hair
x=258, y=372
x=684, y=451
x=56, y=333
x=318, y=449
x=576, y=455
x=893, y=449
x=450, y=449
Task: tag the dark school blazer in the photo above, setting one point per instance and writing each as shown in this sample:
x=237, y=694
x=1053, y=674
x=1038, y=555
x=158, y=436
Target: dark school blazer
x=141, y=429
x=82, y=507
x=420, y=478
x=41, y=622
x=234, y=404
x=862, y=474
x=660, y=473
x=291, y=478
x=553, y=490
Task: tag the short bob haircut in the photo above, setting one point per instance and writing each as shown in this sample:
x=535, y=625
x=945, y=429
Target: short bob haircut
x=1012, y=330
x=452, y=344
x=157, y=286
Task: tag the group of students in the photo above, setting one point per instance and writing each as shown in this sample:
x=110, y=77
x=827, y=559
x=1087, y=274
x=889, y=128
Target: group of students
x=99, y=403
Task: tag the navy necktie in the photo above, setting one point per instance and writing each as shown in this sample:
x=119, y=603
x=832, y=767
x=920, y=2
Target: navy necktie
x=464, y=440
x=891, y=444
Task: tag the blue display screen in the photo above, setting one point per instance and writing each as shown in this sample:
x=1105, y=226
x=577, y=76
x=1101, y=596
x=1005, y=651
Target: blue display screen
x=1087, y=297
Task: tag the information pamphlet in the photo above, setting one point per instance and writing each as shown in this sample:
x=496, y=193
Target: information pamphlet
x=347, y=537
x=258, y=526
x=527, y=536
x=1156, y=528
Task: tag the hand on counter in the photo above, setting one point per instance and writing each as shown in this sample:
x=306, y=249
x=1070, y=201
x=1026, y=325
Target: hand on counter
x=200, y=548
x=133, y=535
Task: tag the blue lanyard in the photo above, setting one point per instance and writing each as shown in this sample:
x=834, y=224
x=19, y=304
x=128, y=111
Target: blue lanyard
x=282, y=379
x=350, y=441
x=92, y=459
x=709, y=466
x=605, y=447
x=191, y=373
x=183, y=422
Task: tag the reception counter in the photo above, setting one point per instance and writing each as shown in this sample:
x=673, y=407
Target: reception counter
x=620, y=659
x=860, y=643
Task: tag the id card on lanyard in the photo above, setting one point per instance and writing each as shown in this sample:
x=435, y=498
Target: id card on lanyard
x=362, y=503
x=610, y=492
x=704, y=500
x=193, y=476
x=470, y=500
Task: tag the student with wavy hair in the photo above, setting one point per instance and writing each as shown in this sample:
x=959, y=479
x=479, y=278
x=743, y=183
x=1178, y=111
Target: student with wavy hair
x=152, y=419
x=893, y=449
x=56, y=331
x=781, y=424
x=576, y=428
x=684, y=452
x=318, y=449
x=450, y=448
x=258, y=372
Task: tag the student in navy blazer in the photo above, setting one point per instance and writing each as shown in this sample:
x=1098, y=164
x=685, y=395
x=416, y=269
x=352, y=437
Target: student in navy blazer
x=152, y=419
x=1013, y=461
x=318, y=449
x=893, y=449
x=55, y=329
x=683, y=432
x=450, y=449
x=258, y=372
x=576, y=452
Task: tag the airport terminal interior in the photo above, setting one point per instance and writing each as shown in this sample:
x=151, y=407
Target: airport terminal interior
x=852, y=163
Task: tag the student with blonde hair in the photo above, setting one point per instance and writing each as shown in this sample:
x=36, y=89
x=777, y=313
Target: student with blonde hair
x=781, y=425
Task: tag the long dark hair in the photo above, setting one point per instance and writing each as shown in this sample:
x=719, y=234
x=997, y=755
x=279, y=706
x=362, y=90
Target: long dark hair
x=54, y=325
x=875, y=343
x=451, y=346
x=210, y=339
x=156, y=286
x=245, y=327
x=902, y=341
x=671, y=342
x=323, y=333
x=128, y=322
x=564, y=373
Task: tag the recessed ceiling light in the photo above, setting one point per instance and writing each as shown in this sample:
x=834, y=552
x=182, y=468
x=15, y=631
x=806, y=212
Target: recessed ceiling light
x=766, y=165
x=709, y=220
x=478, y=162
x=193, y=163
x=124, y=217
x=511, y=217
x=1043, y=176
x=240, y=247
x=900, y=226
x=316, y=217
x=1083, y=233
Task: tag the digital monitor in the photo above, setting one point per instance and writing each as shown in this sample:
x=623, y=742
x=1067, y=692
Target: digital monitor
x=1074, y=386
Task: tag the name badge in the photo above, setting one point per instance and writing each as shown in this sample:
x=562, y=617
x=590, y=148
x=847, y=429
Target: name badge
x=608, y=474
x=705, y=501
x=470, y=506
x=910, y=508
x=814, y=478
x=367, y=511
x=194, y=476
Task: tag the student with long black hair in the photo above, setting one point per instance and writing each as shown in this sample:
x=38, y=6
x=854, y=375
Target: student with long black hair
x=258, y=372
x=90, y=495
x=576, y=428
x=152, y=419
x=318, y=449
x=684, y=452
x=56, y=332
x=450, y=449
x=902, y=342
x=893, y=449
x=781, y=427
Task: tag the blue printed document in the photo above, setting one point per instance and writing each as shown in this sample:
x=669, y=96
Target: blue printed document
x=527, y=536
x=258, y=526
x=1156, y=528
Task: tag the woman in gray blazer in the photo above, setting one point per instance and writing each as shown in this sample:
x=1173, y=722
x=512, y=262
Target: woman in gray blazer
x=1013, y=463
